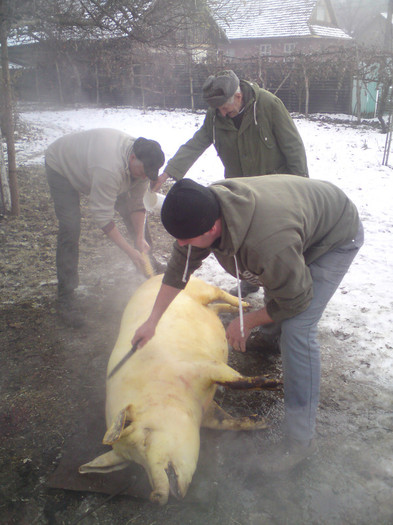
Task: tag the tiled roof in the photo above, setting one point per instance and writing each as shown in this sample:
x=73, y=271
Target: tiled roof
x=244, y=19
x=328, y=32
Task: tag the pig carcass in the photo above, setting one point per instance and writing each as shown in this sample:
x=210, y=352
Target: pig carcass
x=157, y=401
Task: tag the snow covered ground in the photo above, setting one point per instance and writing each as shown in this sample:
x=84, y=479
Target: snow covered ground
x=347, y=155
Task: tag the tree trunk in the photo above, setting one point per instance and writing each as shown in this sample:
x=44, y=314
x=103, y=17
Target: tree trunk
x=307, y=91
x=61, y=97
x=97, y=82
x=383, y=99
x=77, y=94
x=191, y=86
x=37, y=85
x=5, y=196
x=7, y=116
x=382, y=103
x=358, y=100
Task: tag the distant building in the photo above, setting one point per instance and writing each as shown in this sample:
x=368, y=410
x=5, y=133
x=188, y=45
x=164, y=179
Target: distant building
x=278, y=28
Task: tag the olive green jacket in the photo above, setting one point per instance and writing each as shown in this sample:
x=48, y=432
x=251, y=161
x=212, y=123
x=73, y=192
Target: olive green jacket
x=267, y=141
x=275, y=226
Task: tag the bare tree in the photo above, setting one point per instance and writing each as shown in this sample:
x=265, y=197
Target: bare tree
x=7, y=121
x=353, y=15
x=154, y=23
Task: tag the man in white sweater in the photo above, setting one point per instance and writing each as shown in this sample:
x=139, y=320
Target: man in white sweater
x=103, y=164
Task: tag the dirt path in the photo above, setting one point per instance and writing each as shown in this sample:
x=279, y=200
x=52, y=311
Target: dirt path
x=51, y=377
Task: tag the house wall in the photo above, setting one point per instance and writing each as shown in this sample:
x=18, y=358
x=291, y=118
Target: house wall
x=123, y=76
x=247, y=48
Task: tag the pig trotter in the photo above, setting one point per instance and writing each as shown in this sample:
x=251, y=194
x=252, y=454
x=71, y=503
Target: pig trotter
x=173, y=481
x=252, y=383
x=158, y=497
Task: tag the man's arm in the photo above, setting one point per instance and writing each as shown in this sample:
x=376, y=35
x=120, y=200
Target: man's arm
x=138, y=219
x=164, y=298
x=189, y=152
x=160, y=181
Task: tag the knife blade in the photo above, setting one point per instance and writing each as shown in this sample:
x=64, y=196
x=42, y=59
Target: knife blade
x=124, y=359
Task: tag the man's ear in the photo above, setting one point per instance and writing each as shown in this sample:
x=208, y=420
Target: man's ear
x=216, y=228
x=239, y=95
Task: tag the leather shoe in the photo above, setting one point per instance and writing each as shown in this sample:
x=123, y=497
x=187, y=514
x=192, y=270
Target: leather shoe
x=245, y=288
x=69, y=312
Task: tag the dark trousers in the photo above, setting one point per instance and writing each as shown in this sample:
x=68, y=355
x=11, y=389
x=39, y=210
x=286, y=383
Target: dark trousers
x=67, y=208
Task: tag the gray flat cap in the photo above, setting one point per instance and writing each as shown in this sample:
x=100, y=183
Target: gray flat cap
x=149, y=152
x=220, y=87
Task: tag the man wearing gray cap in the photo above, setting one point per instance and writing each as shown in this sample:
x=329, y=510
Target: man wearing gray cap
x=251, y=130
x=103, y=164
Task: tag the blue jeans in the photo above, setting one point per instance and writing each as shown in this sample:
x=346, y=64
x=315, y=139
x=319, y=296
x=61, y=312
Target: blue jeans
x=300, y=349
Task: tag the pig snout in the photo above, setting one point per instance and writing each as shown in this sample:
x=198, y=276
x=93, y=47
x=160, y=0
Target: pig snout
x=170, y=470
x=166, y=481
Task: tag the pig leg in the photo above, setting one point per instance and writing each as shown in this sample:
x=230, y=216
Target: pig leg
x=205, y=293
x=224, y=307
x=228, y=298
x=224, y=375
x=217, y=419
x=107, y=462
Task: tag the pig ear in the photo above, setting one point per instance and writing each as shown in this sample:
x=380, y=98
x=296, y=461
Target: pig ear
x=114, y=431
x=107, y=462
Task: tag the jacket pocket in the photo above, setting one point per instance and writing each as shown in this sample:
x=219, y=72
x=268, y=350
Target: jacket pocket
x=266, y=137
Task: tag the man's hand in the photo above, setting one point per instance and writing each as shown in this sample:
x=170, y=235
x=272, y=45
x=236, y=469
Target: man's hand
x=250, y=321
x=134, y=254
x=144, y=333
x=137, y=258
x=142, y=246
x=159, y=182
x=234, y=335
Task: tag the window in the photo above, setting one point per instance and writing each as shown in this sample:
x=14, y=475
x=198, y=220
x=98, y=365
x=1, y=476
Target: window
x=265, y=49
x=289, y=48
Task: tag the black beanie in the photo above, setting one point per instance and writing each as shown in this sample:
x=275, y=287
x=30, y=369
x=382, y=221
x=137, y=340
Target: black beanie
x=189, y=210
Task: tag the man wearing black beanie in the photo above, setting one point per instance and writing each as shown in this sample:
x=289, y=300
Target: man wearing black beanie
x=189, y=210
x=294, y=236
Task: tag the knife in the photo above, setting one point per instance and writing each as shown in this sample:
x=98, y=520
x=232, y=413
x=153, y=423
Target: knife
x=124, y=359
